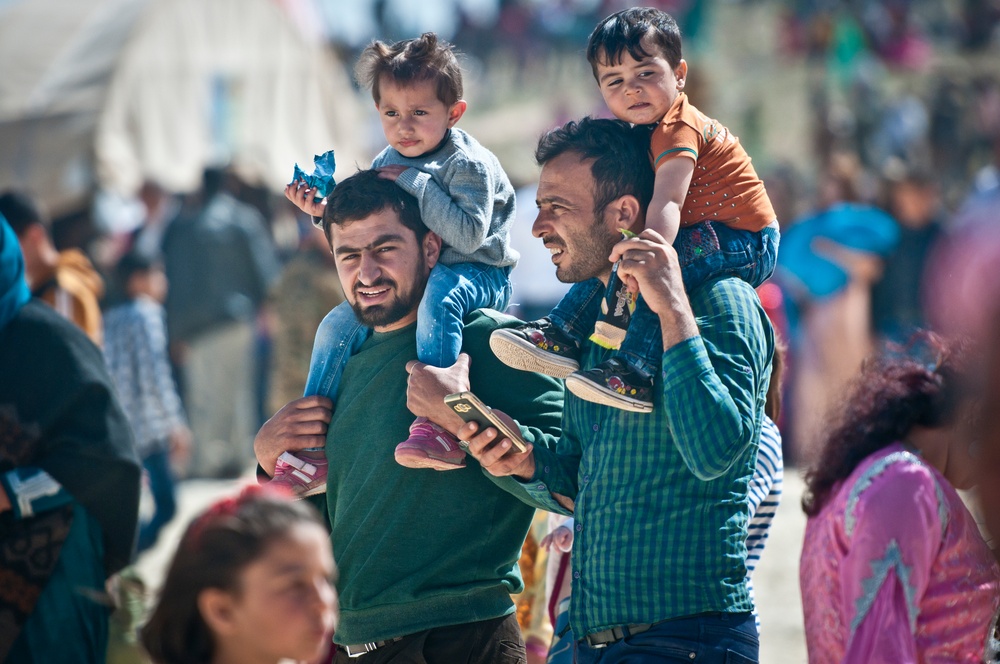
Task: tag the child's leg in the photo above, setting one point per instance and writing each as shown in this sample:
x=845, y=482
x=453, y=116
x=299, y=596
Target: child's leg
x=578, y=309
x=452, y=292
x=643, y=345
x=163, y=489
x=710, y=250
x=339, y=336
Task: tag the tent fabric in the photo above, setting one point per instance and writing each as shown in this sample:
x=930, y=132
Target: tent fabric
x=107, y=93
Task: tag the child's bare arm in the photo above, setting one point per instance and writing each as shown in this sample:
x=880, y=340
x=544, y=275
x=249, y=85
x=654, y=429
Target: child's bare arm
x=670, y=188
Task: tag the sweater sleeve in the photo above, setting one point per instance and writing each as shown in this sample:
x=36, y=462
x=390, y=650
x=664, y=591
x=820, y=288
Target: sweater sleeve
x=461, y=215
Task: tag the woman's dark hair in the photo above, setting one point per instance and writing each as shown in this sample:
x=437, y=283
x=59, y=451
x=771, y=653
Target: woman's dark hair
x=214, y=550
x=620, y=154
x=923, y=385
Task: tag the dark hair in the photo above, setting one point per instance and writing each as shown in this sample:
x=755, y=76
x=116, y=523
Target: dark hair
x=212, y=553
x=409, y=61
x=620, y=153
x=624, y=31
x=21, y=210
x=134, y=262
x=895, y=391
x=364, y=194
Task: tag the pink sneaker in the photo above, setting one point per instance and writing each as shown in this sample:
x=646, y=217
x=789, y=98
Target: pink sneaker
x=302, y=473
x=430, y=446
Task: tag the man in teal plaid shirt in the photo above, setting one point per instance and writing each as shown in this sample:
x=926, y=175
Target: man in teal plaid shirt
x=660, y=499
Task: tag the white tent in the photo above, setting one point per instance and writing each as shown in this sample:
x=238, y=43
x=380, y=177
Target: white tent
x=104, y=93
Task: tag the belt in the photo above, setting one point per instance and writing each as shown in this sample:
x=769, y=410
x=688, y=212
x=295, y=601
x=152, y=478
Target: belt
x=359, y=649
x=607, y=637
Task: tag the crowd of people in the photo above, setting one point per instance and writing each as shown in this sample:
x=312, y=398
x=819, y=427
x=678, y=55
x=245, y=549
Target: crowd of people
x=642, y=412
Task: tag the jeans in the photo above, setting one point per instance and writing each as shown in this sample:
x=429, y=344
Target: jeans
x=162, y=486
x=706, y=251
x=494, y=641
x=452, y=292
x=711, y=638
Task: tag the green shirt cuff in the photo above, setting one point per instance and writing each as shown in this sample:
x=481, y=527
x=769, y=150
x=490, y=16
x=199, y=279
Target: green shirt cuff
x=684, y=361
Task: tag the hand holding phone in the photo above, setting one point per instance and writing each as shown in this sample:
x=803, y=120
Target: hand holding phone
x=468, y=407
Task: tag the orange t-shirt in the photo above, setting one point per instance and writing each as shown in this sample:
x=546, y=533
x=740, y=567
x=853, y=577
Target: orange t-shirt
x=724, y=187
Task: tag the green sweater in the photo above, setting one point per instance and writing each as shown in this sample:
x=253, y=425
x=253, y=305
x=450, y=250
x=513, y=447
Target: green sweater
x=418, y=549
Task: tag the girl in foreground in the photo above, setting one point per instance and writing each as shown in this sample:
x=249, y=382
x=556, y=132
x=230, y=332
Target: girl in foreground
x=250, y=583
x=894, y=568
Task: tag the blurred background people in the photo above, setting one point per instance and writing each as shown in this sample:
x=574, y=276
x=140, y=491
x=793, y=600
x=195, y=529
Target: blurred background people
x=220, y=262
x=69, y=480
x=135, y=347
x=893, y=566
x=65, y=280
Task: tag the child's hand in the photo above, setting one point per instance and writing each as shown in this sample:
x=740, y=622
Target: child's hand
x=561, y=538
x=391, y=172
x=303, y=198
x=180, y=447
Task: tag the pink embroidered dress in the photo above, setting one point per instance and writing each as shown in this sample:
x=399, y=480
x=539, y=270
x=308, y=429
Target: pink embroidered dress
x=894, y=569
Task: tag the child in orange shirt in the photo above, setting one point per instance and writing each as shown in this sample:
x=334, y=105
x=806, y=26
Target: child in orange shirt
x=706, y=199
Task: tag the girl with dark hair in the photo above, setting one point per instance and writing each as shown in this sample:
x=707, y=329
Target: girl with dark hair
x=894, y=568
x=250, y=582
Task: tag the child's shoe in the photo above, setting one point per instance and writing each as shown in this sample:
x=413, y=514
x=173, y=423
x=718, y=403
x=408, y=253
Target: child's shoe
x=614, y=383
x=430, y=446
x=302, y=473
x=538, y=346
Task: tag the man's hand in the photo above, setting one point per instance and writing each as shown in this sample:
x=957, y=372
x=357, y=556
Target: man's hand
x=498, y=457
x=391, y=172
x=179, y=447
x=427, y=387
x=303, y=198
x=649, y=266
x=299, y=424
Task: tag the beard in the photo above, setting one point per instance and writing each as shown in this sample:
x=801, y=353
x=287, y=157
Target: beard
x=402, y=304
x=590, y=251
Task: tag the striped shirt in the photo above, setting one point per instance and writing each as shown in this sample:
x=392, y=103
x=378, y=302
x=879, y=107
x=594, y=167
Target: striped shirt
x=764, y=495
x=661, y=499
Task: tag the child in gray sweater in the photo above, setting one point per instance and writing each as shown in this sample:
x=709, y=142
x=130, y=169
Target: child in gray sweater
x=464, y=196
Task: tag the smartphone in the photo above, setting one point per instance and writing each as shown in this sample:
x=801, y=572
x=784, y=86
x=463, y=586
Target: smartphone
x=468, y=406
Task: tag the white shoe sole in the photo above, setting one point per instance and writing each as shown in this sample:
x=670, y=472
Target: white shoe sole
x=521, y=354
x=590, y=391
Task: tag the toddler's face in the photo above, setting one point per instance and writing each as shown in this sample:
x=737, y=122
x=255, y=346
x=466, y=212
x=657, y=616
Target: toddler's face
x=640, y=91
x=413, y=118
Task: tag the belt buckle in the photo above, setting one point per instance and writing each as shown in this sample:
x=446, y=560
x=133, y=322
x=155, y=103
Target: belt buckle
x=362, y=649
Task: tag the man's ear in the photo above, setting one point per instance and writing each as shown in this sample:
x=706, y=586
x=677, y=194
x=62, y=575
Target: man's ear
x=456, y=112
x=431, y=246
x=216, y=608
x=624, y=212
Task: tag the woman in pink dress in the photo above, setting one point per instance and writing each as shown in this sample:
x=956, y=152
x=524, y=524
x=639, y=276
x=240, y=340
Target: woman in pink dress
x=894, y=568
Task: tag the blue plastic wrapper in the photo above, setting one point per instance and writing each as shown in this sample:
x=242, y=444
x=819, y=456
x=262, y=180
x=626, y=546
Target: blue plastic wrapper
x=321, y=177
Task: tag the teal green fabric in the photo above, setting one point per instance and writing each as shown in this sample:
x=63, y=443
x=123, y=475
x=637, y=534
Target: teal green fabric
x=70, y=620
x=418, y=549
x=661, y=499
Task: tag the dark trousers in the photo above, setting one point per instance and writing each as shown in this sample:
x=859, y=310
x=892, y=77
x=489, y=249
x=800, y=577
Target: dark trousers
x=163, y=488
x=496, y=641
x=715, y=638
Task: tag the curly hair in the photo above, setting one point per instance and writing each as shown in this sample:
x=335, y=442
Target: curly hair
x=894, y=392
x=411, y=61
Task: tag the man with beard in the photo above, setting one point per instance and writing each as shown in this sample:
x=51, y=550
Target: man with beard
x=427, y=560
x=661, y=509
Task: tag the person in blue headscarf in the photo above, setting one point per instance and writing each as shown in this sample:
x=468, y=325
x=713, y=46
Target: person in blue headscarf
x=69, y=480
